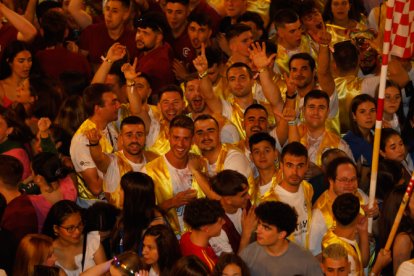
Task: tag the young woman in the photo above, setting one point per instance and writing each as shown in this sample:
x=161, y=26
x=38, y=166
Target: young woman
x=156, y=238
x=55, y=184
x=15, y=67
x=34, y=249
x=138, y=213
x=65, y=225
x=393, y=116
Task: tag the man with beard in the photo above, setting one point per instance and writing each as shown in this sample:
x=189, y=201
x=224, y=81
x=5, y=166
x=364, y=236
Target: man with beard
x=96, y=39
x=197, y=106
x=132, y=157
x=155, y=56
x=101, y=104
x=219, y=156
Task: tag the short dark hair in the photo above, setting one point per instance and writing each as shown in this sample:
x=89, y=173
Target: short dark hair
x=228, y=183
x=262, y=136
x=190, y=266
x=200, y=18
x=171, y=88
x=285, y=16
x=182, y=121
x=254, y=17
x=202, y=211
x=255, y=106
x=331, y=169
x=132, y=120
x=204, y=117
x=49, y=166
x=54, y=25
x=386, y=133
x=316, y=94
x=155, y=21
x=346, y=56
x=240, y=65
x=278, y=214
x=236, y=30
x=92, y=96
x=11, y=170
x=345, y=208
x=304, y=56
x=182, y=2
x=230, y=258
x=295, y=149
x=125, y=3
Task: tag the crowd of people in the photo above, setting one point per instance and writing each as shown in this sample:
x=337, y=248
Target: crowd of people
x=201, y=137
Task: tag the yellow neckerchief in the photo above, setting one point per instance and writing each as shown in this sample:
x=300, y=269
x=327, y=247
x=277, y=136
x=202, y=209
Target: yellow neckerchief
x=353, y=251
x=107, y=147
x=157, y=169
x=347, y=88
x=271, y=195
x=161, y=145
x=329, y=140
x=340, y=34
x=237, y=116
x=283, y=55
x=324, y=204
x=115, y=198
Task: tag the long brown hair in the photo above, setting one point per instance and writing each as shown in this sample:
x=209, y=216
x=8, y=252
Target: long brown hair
x=33, y=250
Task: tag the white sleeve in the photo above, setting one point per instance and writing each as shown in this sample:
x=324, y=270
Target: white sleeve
x=227, y=110
x=273, y=133
x=80, y=154
x=406, y=269
x=111, y=177
x=221, y=244
x=317, y=231
x=237, y=161
x=369, y=85
x=229, y=134
x=345, y=147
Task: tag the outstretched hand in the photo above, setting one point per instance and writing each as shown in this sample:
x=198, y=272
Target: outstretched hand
x=258, y=55
x=116, y=52
x=129, y=70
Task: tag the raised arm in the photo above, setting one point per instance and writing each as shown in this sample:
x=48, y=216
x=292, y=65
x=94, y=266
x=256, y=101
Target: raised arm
x=101, y=160
x=262, y=62
x=82, y=18
x=26, y=31
x=326, y=80
x=115, y=53
x=206, y=87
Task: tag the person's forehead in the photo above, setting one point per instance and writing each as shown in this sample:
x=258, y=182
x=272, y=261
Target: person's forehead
x=237, y=71
x=208, y=123
x=175, y=6
x=133, y=128
x=345, y=169
x=170, y=95
x=299, y=62
x=314, y=101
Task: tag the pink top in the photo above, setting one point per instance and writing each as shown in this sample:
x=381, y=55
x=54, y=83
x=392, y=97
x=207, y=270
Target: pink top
x=42, y=206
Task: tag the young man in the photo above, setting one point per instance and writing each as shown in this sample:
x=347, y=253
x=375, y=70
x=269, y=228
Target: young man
x=342, y=176
x=265, y=157
x=177, y=177
x=205, y=217
x=273, y=253
x=240, y=220
x=239, y=37
x=219, y=156
x=348, y=223
x=96, y=39
x=335, y=260
x=132, y=157
x=101, y=104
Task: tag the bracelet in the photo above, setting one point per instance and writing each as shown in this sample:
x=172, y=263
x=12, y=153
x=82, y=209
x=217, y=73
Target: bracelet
x=291, y=97
x=106, y=59
x=293, y=123
x=324, y=45
x=203, y=75
x=93, y=145
x=261, y=70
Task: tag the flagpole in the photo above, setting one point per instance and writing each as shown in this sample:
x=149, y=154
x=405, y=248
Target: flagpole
x=380, y=108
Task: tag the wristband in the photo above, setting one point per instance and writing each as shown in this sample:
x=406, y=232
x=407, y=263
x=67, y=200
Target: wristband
x=261, y=70
x=93, y=145
x=293, y=123
x=291, y=97
x=203, y=75
x=106, y=59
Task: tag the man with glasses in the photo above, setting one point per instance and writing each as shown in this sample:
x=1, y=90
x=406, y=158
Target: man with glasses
x=342, y=176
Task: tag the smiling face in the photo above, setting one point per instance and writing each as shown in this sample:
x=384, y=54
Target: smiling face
x=255, y=121
x=207, y=135
x=171, y=104
x=194, y=97
x=365, y=115
x=70, y=231
x=180, y=142
x=301, y=73
x=394, y=149
x=21, y=64
x=315, y=113
x=132, y=138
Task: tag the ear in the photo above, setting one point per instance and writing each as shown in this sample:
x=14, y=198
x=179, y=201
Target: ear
x=282, y=235
x=55, y=229
x=382, y=153
x=9, y=130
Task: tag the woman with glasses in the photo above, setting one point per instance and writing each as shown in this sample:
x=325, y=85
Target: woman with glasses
x=74, y=251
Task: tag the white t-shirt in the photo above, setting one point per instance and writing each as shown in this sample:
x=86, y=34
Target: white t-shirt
x=181, y=180
x=406, y=269
x=229, y=134
x=297, y=201
x=235, y=160
x=263, y=189
x=112, y=177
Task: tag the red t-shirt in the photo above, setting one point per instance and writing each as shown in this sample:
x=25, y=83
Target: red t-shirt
x=205, y=254
x=184, y=51
x=95, y=39
x=59, y=59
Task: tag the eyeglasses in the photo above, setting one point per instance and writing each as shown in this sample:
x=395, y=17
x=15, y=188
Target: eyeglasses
x=347, y=180
x=70, y=229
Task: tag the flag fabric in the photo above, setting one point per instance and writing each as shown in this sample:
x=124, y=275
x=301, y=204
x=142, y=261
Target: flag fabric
x=402, y=28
